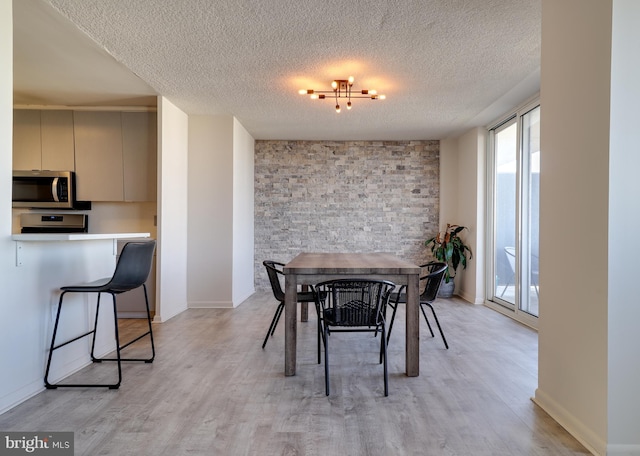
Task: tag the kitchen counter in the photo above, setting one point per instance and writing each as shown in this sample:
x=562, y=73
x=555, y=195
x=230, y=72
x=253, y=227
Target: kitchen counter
x=31, y=237
x=31, y=242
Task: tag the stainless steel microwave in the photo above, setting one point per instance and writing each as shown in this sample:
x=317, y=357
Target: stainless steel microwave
x=43, y=189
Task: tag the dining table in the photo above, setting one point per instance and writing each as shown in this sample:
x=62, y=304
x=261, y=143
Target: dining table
x=309, y=268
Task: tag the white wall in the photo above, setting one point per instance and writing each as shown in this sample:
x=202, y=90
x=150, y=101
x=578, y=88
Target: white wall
x=462, y=202
x=211, y=174
x=624, y=213
x=471, y=180
x=449, y=164
x=574, y=212
x=243, y=210
x=221, y=247
x=171, y=256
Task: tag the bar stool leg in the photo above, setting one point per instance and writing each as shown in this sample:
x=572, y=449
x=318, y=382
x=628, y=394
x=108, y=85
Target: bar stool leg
x=53, y=341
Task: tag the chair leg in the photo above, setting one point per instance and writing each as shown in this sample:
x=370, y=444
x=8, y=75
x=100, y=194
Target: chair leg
x=274, y=323
x=276, y=318
x=95, y=329
x=320, y=337
x=326, y=361
x=153, y=347
x=393, y=315
x=437, y=323
x=384, y=355
x=47, y=384
x=53, y=347
x=117, y=337
x=149, y=333
x=427, y=320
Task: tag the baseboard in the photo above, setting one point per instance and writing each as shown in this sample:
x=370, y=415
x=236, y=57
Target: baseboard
x=210, y=305
x=469, y=297
x=132, y=314
x=574, y=426
x=220, y=304
x=17, y=397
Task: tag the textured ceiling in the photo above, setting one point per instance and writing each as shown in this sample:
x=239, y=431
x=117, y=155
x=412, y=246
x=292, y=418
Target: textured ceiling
x=444, y=65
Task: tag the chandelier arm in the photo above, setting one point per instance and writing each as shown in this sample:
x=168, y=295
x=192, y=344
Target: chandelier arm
x=338, y=93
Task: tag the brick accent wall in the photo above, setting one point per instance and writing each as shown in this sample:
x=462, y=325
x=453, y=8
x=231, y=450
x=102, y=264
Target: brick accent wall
x=344, y=196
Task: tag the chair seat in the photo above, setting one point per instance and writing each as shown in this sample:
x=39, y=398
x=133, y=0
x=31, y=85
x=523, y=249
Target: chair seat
x=96, y=286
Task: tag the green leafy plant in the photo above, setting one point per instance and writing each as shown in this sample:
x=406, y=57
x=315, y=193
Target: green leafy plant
x=448, y=248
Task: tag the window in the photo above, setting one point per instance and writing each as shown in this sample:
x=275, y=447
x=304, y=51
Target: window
x=514, y=182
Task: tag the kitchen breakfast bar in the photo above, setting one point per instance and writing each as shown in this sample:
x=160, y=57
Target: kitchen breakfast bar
x=54, y=260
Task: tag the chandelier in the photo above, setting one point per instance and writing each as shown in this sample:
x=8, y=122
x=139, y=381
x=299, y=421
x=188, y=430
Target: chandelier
x=342, y=89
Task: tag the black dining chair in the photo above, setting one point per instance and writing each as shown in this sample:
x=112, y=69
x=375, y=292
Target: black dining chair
x=432, y=281
x=132, y=271
x=353, y=305
x=274, y=271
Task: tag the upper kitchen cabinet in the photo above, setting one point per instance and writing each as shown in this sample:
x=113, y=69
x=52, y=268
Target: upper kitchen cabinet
x=43, y=139
x=139, y=152
x=99, y=163
x=116, y=155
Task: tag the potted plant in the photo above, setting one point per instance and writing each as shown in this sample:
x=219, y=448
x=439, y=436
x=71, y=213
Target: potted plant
x=449, y=248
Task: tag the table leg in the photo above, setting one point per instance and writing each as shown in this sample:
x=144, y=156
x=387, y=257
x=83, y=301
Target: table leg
x=290, y=323
x=304, y=306
x=413, y=326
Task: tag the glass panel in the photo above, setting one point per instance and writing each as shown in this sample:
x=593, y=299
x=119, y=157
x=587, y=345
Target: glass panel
x=531, y=213
x=505, y=212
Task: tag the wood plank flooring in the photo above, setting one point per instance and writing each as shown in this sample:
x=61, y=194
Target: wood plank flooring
x=213, y=391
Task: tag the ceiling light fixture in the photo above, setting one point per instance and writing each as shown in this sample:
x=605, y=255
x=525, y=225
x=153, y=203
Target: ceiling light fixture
x=342, y=88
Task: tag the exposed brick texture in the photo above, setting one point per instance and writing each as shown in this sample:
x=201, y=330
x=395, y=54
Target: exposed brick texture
x=344, y=196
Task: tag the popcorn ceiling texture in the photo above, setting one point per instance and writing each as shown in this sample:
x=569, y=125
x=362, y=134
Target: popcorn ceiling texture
x=443, y=65
x=351, y=196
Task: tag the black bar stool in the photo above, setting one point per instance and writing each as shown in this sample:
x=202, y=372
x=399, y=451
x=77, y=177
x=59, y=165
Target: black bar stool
x=131, y=272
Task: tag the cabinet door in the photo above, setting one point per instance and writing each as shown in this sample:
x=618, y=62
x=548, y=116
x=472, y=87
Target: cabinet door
x=98, y=143
x=139, y=150
x=26, y=139
x=57, y=140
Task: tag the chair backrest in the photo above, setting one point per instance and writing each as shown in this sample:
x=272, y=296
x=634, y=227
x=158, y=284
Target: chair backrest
x=432, y=280
x=354, y=302
x=133, y=266
x=274, y=271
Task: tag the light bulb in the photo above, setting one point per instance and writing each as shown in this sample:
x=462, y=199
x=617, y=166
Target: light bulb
x=382, y=97
x=350, y=80
x=334, y=84
x=314, y=96
x=373, y=92
x=348, y=105
x=337, y=108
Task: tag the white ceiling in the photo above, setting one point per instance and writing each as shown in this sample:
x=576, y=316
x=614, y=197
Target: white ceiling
x=444, y=65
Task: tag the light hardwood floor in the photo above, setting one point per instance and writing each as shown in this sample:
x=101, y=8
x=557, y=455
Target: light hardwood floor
x=213, y=391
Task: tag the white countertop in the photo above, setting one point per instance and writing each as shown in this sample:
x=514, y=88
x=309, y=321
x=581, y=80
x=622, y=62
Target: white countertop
x=25, y=237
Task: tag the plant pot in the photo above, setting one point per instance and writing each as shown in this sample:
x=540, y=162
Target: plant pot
x=446, y=289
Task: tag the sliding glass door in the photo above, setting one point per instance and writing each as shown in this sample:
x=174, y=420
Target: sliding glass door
x=514, y=158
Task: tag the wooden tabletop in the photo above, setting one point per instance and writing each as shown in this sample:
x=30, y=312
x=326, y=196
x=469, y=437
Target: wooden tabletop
x=349, y=263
